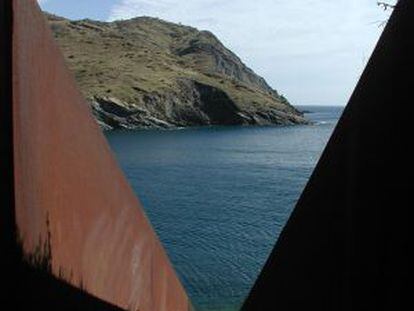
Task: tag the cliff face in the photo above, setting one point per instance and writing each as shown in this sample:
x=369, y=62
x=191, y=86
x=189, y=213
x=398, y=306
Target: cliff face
x=146, y=72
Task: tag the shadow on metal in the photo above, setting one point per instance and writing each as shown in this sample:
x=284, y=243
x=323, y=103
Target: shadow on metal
x=73, y=234
x=346, y=244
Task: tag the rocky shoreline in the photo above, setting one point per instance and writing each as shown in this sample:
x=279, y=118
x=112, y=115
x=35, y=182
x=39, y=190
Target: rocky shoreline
x=111, y=113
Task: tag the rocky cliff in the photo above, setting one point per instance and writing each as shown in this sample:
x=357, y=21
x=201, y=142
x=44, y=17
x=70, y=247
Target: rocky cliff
x=146, y=72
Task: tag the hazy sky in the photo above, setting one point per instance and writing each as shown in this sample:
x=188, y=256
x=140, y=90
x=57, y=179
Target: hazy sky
x=312, y=51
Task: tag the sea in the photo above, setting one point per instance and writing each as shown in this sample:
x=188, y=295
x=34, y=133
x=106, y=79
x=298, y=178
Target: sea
x=218, y=197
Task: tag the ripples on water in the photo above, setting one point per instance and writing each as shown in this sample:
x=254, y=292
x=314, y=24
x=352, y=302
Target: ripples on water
x=218, y=197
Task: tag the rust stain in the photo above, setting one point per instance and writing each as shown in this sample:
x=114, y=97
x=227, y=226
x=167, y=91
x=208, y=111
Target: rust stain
x=70, y=193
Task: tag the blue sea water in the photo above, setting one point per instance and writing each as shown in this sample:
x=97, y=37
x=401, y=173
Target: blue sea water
x=218, y=197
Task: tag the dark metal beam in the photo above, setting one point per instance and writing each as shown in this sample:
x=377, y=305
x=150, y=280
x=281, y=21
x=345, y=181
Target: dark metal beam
x=7, y=215
x=346, y=244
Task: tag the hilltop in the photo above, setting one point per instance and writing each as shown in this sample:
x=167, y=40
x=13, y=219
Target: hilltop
x=146, y=72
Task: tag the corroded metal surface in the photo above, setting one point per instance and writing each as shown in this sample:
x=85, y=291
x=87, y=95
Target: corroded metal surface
x=74, y=207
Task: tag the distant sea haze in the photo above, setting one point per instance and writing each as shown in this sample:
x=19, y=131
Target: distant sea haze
x=219, y=196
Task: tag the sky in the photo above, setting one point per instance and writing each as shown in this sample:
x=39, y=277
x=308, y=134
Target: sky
x=311, y=51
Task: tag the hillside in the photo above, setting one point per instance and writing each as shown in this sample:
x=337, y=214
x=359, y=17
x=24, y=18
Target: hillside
x=145, y=72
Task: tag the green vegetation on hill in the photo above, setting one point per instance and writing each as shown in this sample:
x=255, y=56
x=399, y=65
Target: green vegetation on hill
x=146, y=72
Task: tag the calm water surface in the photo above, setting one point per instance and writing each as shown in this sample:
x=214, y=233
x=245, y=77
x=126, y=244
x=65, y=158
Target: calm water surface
x=218, y=197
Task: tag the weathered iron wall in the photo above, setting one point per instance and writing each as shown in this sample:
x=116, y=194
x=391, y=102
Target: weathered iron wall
x=347, y=242
x=75, y=214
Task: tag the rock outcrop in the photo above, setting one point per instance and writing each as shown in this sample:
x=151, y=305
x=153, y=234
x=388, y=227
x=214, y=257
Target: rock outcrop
x=146, y=73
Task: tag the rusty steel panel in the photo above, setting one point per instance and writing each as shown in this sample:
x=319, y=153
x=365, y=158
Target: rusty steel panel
x=74, y=209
